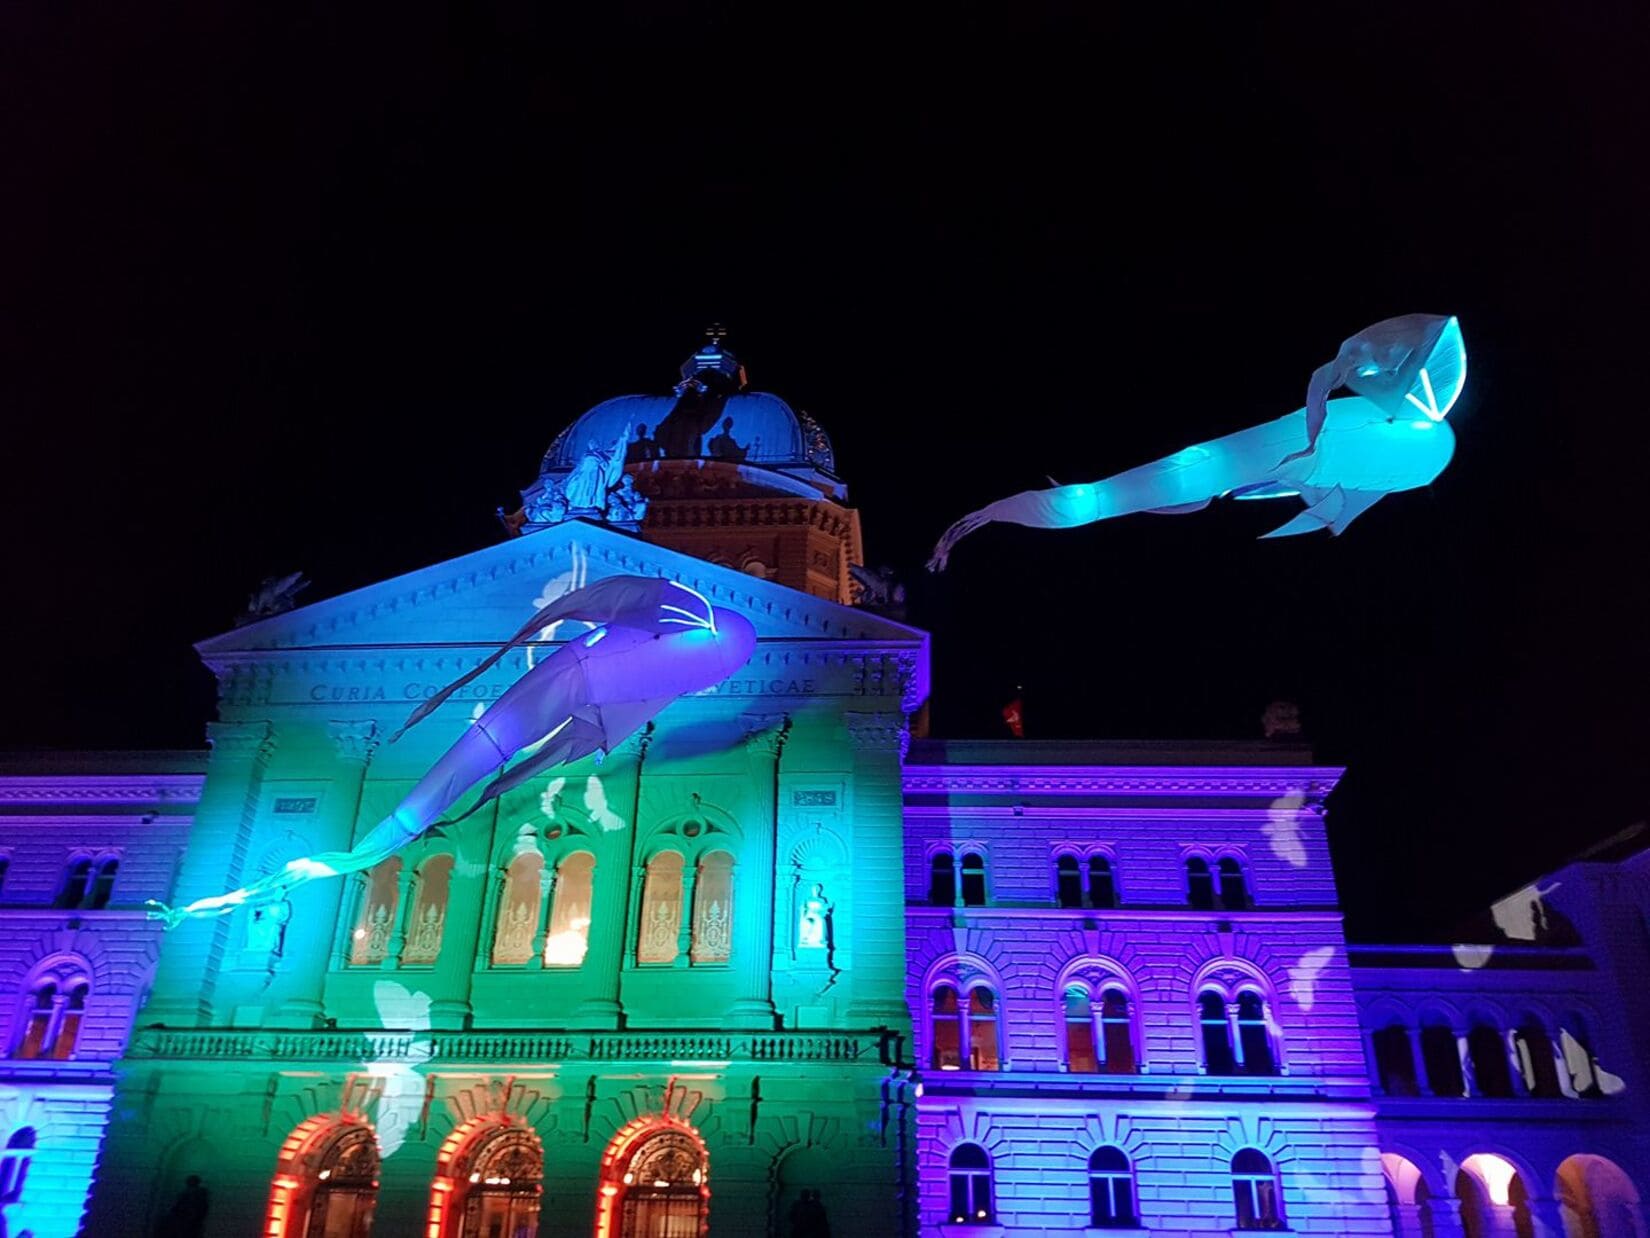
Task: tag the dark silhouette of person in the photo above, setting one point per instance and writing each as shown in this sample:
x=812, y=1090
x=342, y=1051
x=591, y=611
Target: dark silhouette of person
x=187, y=1218
x=808, y=1219
x=723, y=446
x=641, y=447
x=697, y=407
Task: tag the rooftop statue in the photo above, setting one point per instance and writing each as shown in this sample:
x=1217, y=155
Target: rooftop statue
x=1407, y=374
x=656, y=640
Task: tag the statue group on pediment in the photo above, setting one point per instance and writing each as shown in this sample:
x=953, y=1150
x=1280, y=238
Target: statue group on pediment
x=597, y=488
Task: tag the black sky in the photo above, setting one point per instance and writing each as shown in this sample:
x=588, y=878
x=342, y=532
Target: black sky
x=311, y=287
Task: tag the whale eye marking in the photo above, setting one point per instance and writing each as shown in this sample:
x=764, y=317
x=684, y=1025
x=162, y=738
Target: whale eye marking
x=1369, y=371
x=704, y=618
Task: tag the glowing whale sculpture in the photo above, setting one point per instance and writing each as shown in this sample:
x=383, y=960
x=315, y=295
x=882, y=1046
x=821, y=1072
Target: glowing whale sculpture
x=656, y=640
x=1391, y=435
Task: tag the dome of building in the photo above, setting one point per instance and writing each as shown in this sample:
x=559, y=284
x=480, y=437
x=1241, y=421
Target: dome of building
x=710, y=415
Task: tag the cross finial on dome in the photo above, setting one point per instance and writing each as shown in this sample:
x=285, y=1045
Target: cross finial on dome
x=716, y=333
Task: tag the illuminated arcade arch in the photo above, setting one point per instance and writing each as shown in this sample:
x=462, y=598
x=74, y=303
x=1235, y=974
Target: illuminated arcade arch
x=655, y=1181
x=1494, y=1197
x=326, y=1180
x=489, y=1180
x=1598, y=1199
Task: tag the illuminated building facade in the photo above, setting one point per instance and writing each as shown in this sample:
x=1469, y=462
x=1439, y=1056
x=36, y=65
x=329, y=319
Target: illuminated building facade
x=772, y=960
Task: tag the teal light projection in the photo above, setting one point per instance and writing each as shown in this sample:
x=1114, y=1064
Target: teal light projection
x=1408, y=374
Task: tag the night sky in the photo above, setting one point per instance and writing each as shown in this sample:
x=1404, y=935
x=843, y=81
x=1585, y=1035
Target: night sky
x=288, y=288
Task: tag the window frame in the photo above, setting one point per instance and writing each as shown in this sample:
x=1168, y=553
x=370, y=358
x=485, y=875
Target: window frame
x=973, y=1180
x=1247, y=1184
x=1115, y=1179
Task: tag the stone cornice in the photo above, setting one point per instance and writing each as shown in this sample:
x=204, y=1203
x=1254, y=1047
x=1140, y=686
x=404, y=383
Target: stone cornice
x=101, y=789
x=1314, y=782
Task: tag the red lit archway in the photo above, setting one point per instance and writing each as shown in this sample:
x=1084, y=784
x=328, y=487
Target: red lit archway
x=488, y=1180
x=326, y=1179
x=655, y=1182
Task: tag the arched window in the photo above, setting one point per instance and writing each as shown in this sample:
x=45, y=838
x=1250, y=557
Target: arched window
x=429, y=911
x=1255, y=1036
x=68, y=1024
x=498, y=1186
x=14, y=1164
x=1395, y=1060
x=661, y=919
x=1490, y=1071
x=1082, y=1056
x=664, y=1190
x=1255, y=1191
x=345, y=1192
x=76, y=877
x=1102, y=885
x=103, y=883
x=942, y=880
x=713, y=909
x=1218, y=1058
x=982, y=1029
x=1577, y=1046
x=1111, y=1190
x=1535, y=1058
x=971, y=1202
x=945, y=1030
x=1116, y=1032
x=1234, y=895
x=370, y=940
x=1485, y=1184
x=1068, y=882
x=517, y=918
x=39, y=1015
x=1441, y=1055
x=973, y=879
x=1200, y=886
x=569, y=938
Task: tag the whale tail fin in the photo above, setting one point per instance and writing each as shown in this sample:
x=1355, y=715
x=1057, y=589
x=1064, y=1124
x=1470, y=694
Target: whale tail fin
x=1332, y=510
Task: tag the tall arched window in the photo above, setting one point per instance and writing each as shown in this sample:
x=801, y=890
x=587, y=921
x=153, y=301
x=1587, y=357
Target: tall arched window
x=1102, y=884
x=103, y=883
x=1117, y=1032
x=516, y=921
x=52, y=1015
x=970, y=1174
x=945, y=1030
x=661, y=920
x=76, y=878
x=569, y=937
x=942, y=880
x=370, y=940
x=713, y=909
x=1490, y=1070
x=1395, y=1060
x=429, y=911
x=1068, y=882
x=982, y=1029
x=973, y=879
x=1234, y=894
x=1535, y=1058
x=498, y=1184
x=662, y=1190
x=1255, y=1191
x=345, y=1192
x=14, y=1164
x=1218, y=1058
x=1200, y=885
x=1082, y=1055
x=1111, y=1190
x=1255, y=1036
x=1441, y=1055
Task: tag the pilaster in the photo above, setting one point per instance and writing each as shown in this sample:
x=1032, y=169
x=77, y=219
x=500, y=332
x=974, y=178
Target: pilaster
x=753, y=952
x=613, y=888
x=878, y=741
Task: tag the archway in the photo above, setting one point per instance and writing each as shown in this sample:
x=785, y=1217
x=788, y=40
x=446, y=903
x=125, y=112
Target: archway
x=489, y=1182
x=655, y=1182
x=800, y=1202
x=1492, y=1193
x=326, y=1181
x=1598, y=1199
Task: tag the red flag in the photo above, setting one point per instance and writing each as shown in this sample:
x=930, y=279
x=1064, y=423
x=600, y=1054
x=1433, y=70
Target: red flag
x=1014, y=716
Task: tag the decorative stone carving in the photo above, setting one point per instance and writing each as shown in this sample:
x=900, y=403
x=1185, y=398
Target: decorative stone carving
x=354, y=741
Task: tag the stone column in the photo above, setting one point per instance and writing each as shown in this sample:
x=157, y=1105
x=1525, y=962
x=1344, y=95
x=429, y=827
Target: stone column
x=877, y=843
x=612, y=888
x=1548, y=1216
x=1469, y=1077
x=1446, y=1217
x=461, y=937
x=404, y=885
x=214, y=863
x=753, y=950
x=1234, y=1035
x=316, y=907
x=1515, y=1063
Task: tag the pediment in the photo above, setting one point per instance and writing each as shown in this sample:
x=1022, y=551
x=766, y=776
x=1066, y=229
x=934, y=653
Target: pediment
x=484, y=597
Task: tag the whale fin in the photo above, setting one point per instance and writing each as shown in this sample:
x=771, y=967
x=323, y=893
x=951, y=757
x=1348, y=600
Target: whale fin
x=1333, y=511
x=1180, y=509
